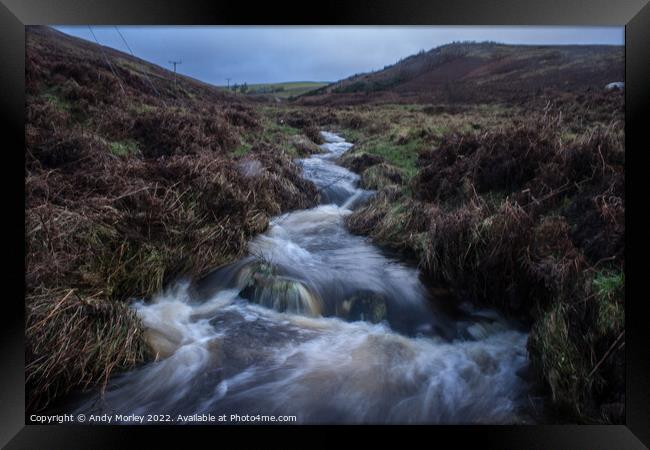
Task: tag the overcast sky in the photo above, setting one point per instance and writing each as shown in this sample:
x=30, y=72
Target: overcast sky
x=315, y=53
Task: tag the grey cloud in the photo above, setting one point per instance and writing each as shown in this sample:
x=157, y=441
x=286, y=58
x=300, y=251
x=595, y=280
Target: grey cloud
x=274, y=54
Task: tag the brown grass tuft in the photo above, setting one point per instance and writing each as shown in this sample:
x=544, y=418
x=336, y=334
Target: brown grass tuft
x=76, y=341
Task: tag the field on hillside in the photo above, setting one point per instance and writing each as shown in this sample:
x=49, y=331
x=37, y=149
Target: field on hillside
x=284, y=90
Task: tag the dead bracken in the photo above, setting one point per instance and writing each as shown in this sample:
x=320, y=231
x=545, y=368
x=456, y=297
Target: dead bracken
x=523, y=220
x=124, y=194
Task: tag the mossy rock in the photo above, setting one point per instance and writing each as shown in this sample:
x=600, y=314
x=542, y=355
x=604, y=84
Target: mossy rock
x=260, y=283
x=365, y=305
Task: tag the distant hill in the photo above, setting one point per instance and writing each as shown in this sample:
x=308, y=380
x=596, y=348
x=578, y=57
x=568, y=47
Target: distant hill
x=479, y=72
x=284, y=90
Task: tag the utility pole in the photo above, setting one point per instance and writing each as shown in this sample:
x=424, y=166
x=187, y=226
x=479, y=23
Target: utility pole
x=228, y=80
x=174, y=63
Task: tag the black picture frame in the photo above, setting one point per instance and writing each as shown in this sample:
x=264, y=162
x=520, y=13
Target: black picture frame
x=15, y=14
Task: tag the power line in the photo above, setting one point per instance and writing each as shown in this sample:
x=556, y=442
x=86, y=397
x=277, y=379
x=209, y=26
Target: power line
x=110, y=66
x=133, y=54
x=124, y=40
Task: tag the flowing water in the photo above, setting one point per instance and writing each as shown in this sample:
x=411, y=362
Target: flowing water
x=323, y=325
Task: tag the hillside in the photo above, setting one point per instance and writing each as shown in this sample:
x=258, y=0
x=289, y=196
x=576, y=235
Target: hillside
x=77, y=59
x=131, y=181
x=480, y=72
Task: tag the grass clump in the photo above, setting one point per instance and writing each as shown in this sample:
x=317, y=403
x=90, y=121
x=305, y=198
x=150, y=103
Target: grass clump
x=57, y=101
x=521, y=219
x=242, y=149
x=380, y=175
x=126, y=148
x=93, y=337
x=394, y=220
x=578, y=348
x=359, y=162
x=403, y=156
x=609, y=291
x=556, y=355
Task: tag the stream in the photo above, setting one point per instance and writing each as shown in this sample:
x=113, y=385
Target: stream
x=325, y=326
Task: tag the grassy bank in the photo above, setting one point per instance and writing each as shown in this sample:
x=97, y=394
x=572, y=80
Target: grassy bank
x=521, y=208
x=131, y=182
